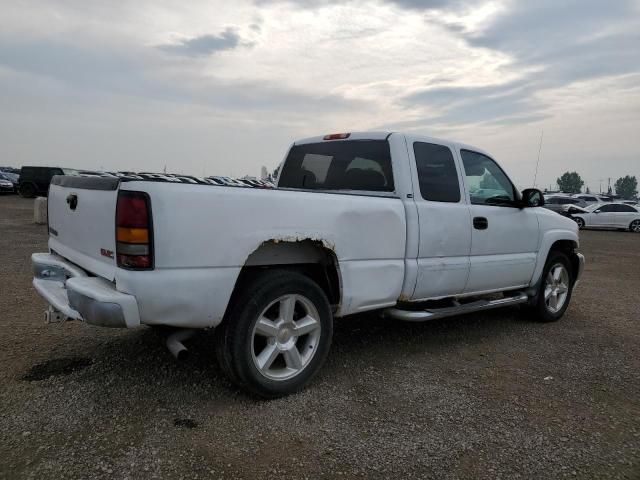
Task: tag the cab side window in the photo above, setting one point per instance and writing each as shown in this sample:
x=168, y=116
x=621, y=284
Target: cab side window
x=437, y=172
x=606, y=208
x=487, y=183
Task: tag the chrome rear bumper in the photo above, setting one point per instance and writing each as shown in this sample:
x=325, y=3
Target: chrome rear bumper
x=77, y=296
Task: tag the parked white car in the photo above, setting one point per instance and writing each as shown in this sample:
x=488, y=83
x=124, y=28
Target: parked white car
x=610, y=215
x=591, y=199
x=415, y=227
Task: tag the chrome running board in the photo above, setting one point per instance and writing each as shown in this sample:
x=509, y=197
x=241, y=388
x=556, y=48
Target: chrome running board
x=459, y=309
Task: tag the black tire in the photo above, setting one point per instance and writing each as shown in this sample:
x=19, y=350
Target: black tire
x=634, y=226
x=580, y=222
x=236, y=344
x=27, y=190
x=540, y=310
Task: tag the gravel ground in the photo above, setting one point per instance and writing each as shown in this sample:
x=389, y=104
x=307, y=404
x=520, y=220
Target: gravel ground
x=483, y=396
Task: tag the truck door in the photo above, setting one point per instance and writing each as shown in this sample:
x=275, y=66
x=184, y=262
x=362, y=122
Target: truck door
x=505, y=238
x=444, y=220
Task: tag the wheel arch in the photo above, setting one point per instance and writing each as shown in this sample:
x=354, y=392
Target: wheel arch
x=568, y=247
x=556, y=240
x=313, y=258
x=31, y=184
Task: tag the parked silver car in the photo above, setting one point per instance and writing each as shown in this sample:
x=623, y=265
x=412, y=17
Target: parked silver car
x=591, y=199
x=557, y=202
x=8, y=182
x=610, y=215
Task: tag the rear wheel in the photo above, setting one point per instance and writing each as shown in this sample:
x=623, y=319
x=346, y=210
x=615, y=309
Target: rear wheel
x=28, y=190
x=580, y=222
x=556, y=286
x=277, y=334
x=635, y=226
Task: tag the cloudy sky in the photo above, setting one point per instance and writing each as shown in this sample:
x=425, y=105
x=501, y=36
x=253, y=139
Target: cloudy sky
x=208, y=87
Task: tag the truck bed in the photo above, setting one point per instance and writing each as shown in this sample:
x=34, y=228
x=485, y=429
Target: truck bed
x=202, y=237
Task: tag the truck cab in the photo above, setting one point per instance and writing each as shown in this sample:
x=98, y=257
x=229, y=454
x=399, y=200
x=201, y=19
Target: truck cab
x=469, y=230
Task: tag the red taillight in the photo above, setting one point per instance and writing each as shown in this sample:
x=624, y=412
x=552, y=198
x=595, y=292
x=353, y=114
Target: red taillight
x=132, y=210
x=337, y=136
x=134, y=246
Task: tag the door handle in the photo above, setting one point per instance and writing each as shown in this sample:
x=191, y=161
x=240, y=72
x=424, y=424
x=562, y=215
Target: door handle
x=480, y=223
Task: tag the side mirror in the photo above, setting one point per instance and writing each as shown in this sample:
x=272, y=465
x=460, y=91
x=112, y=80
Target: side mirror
x=532, y=197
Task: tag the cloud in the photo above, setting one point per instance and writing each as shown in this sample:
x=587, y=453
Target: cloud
x=140, y=72
x=485, y=71
x=418, y=5
x=482, y=104
x=571, y=40
x=431, y=4
x=549, y=46
x=205, y=44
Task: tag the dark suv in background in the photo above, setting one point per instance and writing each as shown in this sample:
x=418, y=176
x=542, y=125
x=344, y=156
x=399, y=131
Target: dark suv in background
x=35, y=180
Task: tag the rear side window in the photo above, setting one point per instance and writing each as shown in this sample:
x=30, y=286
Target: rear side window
x=363, y=165
x=436, y=172
x=625, y=208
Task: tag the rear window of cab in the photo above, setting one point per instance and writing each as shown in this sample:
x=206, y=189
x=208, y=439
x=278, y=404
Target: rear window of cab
x=360, y=165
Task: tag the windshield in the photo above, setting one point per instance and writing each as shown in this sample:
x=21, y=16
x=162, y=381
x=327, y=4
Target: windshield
x=12, y=177
x=339, y=165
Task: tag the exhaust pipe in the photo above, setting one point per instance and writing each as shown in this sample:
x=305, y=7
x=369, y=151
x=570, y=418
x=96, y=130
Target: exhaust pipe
x=175, y=345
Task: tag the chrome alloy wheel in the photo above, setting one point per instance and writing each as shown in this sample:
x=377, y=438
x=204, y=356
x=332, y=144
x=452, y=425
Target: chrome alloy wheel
x=285, y=337
x=635, y=226
x=556, y=288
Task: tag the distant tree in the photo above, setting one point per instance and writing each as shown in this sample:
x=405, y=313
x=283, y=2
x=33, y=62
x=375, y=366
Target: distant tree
x=587, y=191
x=627, y=187
x=570, y=182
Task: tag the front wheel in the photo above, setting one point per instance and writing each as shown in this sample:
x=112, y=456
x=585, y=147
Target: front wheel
x=277, y=334
x=556, y=286
x=28, y=190
x=635, y=226
x=580, y=222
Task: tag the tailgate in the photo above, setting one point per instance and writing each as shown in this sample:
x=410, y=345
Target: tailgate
x=82, y=212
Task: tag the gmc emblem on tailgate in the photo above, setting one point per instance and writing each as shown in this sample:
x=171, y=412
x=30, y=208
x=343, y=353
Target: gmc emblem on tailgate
x=106, y=253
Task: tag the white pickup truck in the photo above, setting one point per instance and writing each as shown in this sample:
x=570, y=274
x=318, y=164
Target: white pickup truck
x=414, y=227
